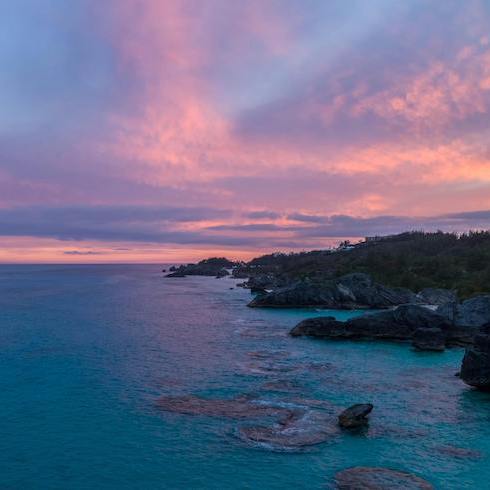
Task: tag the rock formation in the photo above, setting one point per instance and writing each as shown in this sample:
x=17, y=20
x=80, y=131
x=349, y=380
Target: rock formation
x=347, y=292
x=400, y=324
x=475, y=369
x=209, y=267
x=437, y=296
x=429, y=339
x=355, y=416
x=473, y=312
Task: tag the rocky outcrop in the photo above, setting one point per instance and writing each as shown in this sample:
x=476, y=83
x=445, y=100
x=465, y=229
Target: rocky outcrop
x=460, y=335
x=399, y=324
x=475, y=369
x=436, y=297
x=177, y=273
x=432, y=339
x=355, y=416
x=216, y=267
x=222, y=273
x=347, y=292
x=262, y=282
x=239, y=273
x=378, y=479
x=473, y=312
x=322, y=326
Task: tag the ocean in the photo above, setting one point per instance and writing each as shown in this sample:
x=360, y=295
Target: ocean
x=88, y=353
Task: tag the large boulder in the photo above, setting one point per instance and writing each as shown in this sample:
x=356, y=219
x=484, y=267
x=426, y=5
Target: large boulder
x=347, y=292
x=398, y=324
x=473, y=312
x=436, y=296
x=365, y=478
x=222, y=273
x=355, y=416
x=433, y=339
x=475, y=369
x=322, y=326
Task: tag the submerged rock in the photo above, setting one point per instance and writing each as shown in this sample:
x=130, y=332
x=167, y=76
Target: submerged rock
x=282, y=385
x=235, y=408
x=432, y=339
x=301, y=429
x=347, y=292
x=475, y=368
x=355, y=416
x=366, y=478
x=459, y=452
x=290, y=425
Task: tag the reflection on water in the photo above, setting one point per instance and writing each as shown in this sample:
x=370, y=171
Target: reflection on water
x=114, y=377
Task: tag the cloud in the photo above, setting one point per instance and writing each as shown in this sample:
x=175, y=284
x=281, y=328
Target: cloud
x=262, y=215
x=308, y=218
x=344, y=226
x=82, y=253
x=128, y=120
x=181, y=226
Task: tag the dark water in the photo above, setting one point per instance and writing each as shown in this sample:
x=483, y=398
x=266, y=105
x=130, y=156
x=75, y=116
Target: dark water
x=87, y=351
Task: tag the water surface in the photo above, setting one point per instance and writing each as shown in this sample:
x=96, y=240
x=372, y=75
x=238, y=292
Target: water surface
x=86, y=352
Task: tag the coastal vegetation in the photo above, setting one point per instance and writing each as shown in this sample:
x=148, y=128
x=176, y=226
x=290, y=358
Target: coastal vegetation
x=214, y=266
x=412, y=260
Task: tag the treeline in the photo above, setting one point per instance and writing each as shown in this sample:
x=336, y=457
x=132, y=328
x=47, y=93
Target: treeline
x=415, y=260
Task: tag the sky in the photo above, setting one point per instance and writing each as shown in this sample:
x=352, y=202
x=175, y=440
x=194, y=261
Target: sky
x=171, y=130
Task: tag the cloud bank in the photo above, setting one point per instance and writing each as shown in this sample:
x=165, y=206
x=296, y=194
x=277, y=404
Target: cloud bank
x=243, y=125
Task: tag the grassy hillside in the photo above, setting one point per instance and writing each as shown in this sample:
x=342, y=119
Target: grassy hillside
x=415, y=260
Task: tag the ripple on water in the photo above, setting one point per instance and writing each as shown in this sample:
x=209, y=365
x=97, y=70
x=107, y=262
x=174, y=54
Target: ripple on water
x=95, y=393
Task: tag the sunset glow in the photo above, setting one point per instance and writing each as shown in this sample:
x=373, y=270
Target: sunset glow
x=167, y=131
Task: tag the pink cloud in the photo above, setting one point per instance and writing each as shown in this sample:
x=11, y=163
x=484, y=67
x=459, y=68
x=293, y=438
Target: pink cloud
x=443, y=94
x=346, y=128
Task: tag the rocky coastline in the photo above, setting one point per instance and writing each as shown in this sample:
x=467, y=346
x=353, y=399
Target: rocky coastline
x=432, y=319
x=415, y=323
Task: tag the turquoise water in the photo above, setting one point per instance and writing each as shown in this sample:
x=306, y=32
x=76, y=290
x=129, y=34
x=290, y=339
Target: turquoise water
x=86, y=352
